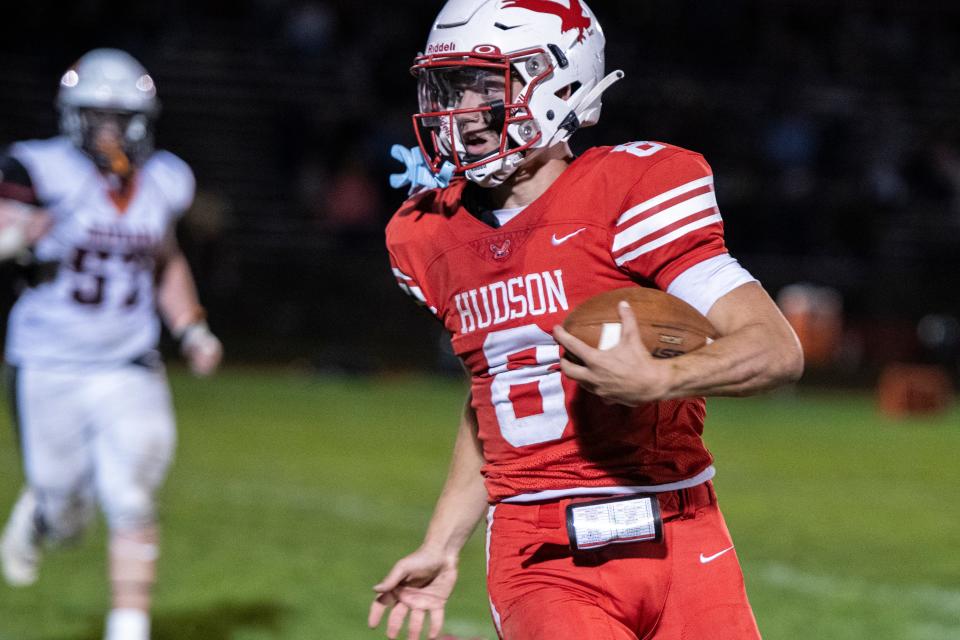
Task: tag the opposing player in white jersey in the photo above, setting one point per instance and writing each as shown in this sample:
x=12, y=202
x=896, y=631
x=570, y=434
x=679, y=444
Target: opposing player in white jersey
x=93, y=213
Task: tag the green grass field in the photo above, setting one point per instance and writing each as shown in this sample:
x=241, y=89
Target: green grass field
x=291, y=495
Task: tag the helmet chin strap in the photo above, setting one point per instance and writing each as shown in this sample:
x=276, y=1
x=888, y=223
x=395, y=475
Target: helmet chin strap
x=489, y=178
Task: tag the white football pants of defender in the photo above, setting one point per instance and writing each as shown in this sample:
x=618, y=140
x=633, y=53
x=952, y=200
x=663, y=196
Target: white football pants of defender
x=107, y=435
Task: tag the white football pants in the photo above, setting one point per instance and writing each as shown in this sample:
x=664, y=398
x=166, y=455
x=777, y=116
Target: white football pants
x=106, y=435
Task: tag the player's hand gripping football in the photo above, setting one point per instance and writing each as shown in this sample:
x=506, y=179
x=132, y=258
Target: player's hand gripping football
x=417, y=585
x=625, y=374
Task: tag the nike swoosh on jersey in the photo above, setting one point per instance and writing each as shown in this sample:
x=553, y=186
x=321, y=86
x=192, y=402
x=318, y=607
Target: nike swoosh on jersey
x=555, y=241
x=705, y=559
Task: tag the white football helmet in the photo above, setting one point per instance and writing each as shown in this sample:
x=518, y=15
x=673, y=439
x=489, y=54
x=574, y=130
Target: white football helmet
x=109, y=86
x=530, y=72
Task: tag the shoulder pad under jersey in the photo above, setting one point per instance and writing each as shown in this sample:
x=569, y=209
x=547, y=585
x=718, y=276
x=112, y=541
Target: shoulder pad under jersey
x=174, y=177
x=57, y=169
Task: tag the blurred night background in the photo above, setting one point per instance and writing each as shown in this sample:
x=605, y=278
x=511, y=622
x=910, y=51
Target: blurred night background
x=832, y=128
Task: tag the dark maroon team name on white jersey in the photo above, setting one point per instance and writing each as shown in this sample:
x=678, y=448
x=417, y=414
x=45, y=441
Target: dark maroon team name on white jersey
x=533, y=294
x=110, y=237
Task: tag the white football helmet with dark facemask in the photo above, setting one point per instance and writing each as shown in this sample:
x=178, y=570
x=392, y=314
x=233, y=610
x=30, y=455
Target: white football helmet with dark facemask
x=502, y=78
x=107, y=104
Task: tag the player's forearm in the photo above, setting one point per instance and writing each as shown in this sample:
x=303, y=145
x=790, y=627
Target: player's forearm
x=460, y=507
x=753, y=359
x=757, y=350
x=464, y=497
x=177, y=298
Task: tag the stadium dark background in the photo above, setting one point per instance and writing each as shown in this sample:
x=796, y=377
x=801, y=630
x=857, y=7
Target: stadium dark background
x=833, y=128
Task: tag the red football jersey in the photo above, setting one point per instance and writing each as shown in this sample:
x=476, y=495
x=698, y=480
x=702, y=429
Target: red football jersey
x=642, y=212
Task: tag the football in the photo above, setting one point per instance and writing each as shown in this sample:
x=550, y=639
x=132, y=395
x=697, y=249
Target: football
x=668, y=326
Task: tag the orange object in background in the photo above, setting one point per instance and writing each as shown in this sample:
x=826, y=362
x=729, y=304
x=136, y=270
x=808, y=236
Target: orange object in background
x=914, y=389
x=816, y=314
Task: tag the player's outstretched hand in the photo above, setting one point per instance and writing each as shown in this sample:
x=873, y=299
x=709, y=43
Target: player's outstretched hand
x=417, y=585
x=201, y=348
x=625, y=374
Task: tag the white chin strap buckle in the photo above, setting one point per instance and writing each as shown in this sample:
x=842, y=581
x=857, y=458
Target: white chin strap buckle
x=493, y=173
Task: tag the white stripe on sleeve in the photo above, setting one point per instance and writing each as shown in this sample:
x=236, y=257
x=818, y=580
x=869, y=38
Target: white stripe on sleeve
x=668, y=238
x=663, y=219
x=634, y=211
x=408, y=284
x=418, y=294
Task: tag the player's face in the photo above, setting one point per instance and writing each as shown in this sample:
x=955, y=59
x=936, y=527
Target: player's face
x=106, y=126
x=104, y=138
x=479, y=137
x=480, y=93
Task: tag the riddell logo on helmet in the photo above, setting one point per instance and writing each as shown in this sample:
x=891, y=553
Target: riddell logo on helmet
x=441, y=47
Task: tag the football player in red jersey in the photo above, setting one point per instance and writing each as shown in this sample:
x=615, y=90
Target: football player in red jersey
x=602, y=521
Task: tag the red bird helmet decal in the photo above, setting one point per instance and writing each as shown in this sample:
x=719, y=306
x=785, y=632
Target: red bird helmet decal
x=570, y=18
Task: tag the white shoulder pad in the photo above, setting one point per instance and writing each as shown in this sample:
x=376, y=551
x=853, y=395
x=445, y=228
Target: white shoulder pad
x=174, y=178
x=56, y=167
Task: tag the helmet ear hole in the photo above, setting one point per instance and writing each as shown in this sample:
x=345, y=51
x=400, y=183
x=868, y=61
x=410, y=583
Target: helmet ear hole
x=564, y=93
